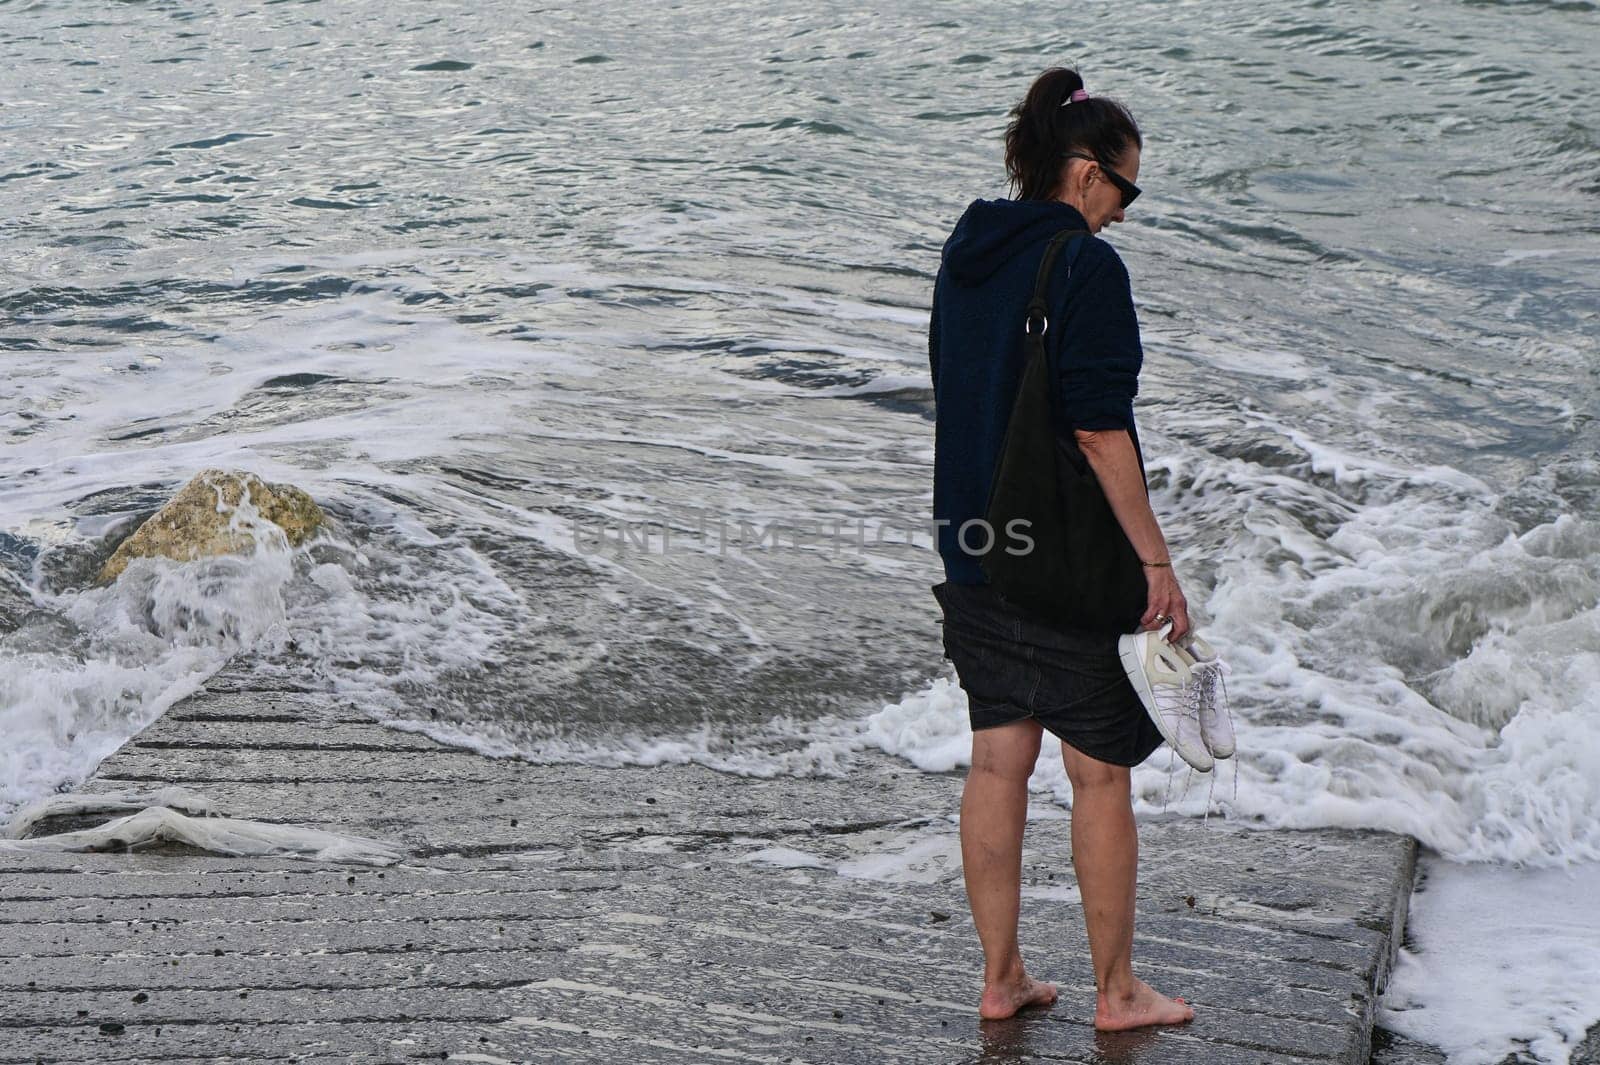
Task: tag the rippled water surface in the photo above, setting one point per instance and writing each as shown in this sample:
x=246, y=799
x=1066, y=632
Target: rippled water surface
x=492, y=282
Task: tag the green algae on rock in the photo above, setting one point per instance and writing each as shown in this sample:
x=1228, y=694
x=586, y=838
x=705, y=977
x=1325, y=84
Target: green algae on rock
x=199, y=522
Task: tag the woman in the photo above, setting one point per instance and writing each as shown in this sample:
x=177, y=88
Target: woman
x=1074, y=161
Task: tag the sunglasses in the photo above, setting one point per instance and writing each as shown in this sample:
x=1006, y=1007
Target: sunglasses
x=1128, y=189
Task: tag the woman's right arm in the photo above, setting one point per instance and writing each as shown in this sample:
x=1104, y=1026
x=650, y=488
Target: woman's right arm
x=1116, y=464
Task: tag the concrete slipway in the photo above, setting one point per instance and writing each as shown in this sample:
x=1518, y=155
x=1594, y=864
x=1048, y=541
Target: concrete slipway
x=669, y=914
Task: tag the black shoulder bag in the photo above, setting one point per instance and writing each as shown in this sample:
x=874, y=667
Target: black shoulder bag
x=1056, y=550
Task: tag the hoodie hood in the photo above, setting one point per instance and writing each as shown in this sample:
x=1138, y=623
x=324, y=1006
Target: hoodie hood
x=992, y=232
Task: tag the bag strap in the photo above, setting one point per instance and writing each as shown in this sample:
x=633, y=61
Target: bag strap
x=1038, y=306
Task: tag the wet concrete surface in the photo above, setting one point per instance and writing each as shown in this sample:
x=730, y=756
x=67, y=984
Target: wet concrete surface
x=667, y=914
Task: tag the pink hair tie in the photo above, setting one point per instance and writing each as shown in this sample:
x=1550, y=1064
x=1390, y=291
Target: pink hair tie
x=1077, y=94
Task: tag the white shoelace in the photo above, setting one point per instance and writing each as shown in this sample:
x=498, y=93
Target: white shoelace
x=1188, y=701
x=1182, y=701
x=1212, y=682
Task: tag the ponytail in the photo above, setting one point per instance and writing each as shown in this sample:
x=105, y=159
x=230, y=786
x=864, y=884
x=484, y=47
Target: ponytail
x=1042, y=130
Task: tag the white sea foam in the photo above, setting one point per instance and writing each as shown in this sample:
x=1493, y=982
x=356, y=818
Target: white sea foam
x=1531, y=987
x=99, y=664
x=172, y=797
x=219, y=835
x=784, y=858
x=917, y=856
x=1421, y=669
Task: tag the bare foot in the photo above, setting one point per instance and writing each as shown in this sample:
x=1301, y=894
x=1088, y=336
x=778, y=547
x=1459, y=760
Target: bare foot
x=1145, y=1006
x=1003, y=999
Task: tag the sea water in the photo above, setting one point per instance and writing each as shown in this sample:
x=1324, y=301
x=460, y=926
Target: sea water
x=599, y=333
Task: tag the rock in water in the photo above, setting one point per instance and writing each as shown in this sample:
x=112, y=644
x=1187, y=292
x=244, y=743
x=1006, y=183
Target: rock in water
x=199, y=520
x=15, y=603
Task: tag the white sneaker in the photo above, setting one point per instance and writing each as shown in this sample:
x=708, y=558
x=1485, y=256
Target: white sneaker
x=1216, y=723
x=1169, y=691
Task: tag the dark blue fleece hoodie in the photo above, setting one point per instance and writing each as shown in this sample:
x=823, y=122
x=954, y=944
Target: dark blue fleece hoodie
x=976, y=351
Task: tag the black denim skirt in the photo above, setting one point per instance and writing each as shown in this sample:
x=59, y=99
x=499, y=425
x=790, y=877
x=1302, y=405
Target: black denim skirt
x=1068, y=680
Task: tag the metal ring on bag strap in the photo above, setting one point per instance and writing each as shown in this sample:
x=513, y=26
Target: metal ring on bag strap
x=1036, y=306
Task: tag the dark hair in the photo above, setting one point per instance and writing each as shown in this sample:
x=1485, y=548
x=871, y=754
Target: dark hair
x=1041, y=130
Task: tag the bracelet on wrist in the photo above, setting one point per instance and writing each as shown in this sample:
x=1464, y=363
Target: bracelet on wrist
x=1165, y=564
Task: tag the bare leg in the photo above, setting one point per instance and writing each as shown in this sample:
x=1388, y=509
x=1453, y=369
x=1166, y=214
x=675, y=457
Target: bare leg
x=994, y=812
x=1105, y=855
